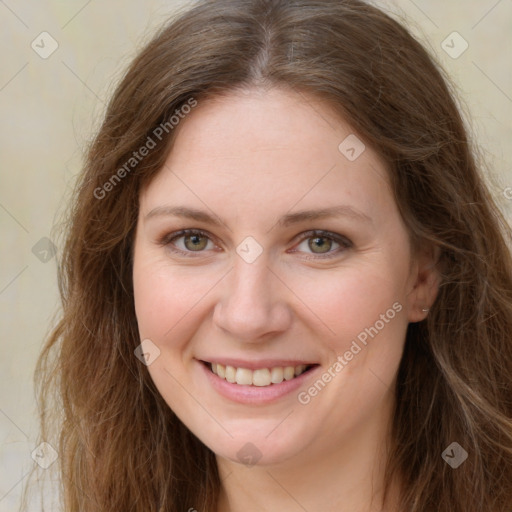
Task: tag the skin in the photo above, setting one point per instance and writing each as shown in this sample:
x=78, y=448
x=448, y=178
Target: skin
x=248, y=158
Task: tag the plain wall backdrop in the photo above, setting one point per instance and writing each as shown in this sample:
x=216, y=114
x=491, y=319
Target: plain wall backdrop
x=52, y=98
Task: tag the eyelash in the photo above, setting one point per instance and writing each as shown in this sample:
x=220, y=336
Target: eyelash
x=342, y=241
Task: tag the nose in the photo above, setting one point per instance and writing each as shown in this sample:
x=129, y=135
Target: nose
x=253, y=303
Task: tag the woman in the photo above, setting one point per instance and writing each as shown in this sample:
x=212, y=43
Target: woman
x=285, y=285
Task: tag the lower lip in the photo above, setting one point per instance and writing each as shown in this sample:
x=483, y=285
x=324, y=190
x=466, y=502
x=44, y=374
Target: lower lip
x=255, y=394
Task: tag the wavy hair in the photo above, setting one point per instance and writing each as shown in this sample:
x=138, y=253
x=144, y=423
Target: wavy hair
x=120, y=446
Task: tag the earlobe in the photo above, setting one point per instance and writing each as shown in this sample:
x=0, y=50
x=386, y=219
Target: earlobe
x=426, y=278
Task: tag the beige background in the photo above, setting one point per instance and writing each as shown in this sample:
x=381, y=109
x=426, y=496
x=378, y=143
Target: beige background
x=50, y=108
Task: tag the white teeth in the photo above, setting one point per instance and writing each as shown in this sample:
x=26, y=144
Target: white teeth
x=260, y=377
x=289, y=372
x=299, y=369
x=243, y=376
x=230, y=374
x=276, y=375
x=220, y=371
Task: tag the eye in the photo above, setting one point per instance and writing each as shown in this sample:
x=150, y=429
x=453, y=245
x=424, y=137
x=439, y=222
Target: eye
x=322, y=243
x=316, y=242
x=188, y=240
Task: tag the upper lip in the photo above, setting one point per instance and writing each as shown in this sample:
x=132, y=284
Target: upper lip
x=256, y=364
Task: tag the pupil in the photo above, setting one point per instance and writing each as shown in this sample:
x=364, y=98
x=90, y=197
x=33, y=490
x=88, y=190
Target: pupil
x=320, y=244
x=195, y=242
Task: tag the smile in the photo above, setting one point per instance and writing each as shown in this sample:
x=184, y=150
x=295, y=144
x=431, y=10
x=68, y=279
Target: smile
x=258, y=377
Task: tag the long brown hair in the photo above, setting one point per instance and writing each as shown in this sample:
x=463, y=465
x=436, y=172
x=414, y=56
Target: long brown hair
x=120, y=446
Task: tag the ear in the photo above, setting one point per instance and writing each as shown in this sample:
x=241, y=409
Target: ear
x=424, y=278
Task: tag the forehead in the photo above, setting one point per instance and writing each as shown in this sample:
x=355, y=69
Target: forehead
x=258, y=149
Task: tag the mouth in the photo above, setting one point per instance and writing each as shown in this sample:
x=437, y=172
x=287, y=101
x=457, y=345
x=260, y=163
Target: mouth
x=258, y=377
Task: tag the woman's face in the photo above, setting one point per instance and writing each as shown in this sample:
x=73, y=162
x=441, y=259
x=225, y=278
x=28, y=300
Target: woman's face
x=271, y=246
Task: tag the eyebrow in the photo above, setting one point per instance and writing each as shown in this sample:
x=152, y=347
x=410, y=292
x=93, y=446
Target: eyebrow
x=285, y=221
x=324, y=213
x=184, y=213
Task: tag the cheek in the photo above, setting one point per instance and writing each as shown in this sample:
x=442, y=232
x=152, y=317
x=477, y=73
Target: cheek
x=363, y=312
x=166, y=296
x=350, y=299
x=168, y=306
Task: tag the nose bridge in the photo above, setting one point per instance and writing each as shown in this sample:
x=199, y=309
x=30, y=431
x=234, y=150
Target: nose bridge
x=252, y=304
x=250, y=284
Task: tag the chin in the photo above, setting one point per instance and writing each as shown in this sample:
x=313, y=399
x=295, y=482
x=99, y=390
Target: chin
x=259, y=445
